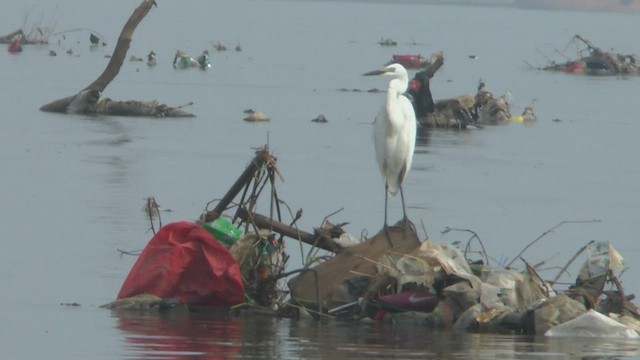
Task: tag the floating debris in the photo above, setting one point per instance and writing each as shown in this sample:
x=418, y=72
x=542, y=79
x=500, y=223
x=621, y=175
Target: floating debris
x=255, y=116
x=527, y=116
x=387, y=42
x=320, y=119
x=94, y=40
x=182, y=60
x=15, y=46
x=72, y=304
x=461, y=111
x=409, y=61
x=151, y=59
x=218, y=46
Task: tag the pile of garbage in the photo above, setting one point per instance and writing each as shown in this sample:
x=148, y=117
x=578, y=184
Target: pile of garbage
x=592, y=60
x=239, y=262
x=438, y=286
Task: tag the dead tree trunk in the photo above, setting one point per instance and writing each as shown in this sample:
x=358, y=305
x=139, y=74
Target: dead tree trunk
x=88, y=101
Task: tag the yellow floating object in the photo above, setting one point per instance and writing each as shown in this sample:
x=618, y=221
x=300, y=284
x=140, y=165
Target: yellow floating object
x=518, y=118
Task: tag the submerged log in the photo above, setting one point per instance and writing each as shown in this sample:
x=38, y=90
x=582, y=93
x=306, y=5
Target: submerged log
x=139, y=108
x=88, y=100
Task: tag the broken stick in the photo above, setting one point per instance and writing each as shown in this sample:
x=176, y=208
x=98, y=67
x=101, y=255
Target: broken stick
x=264, y=222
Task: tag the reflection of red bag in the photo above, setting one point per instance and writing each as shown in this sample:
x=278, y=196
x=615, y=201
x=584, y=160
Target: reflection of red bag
x=183, y=261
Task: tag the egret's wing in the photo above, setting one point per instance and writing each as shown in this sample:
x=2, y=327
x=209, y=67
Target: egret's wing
x=409, y=134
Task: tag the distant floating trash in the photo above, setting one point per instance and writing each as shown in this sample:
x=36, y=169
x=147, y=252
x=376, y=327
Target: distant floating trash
x=218, y=46
x=387, y=42
x=15, y=46
x=527, y=116
x=94, y=40
x=320, y=119
x=255, y=116
x=597, y=62
x=182, y=60
x=151, y=59
x=409, y=61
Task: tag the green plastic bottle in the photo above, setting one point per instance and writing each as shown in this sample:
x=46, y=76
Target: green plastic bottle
x=224, y=231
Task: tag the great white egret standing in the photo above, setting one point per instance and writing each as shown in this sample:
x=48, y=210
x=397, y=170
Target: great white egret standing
x=394, y=134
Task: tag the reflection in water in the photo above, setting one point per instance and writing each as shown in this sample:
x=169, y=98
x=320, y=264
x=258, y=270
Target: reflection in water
x=181, y=334
x=422, y=138
x=443, y=138
x=201, y=335
x=222, y=336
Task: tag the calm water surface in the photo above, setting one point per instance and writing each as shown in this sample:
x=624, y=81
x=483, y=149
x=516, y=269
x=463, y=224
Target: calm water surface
x=72, y=187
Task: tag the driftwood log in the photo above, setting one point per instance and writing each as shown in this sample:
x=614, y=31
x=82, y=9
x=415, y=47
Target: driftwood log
x=89, y=100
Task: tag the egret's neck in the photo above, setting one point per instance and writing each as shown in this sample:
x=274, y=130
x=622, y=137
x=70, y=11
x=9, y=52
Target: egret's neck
x=397, y=87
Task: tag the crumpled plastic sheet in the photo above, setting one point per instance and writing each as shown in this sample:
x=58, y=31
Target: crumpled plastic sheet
x=593, y=324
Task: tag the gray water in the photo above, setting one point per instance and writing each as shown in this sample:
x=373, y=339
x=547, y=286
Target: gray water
x=72, y=187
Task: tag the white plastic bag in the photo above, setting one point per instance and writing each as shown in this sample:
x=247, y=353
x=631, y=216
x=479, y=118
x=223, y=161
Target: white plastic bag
x=593, y=324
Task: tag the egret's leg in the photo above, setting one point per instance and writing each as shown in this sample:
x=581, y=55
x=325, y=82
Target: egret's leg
x=404, y=213
x=404, y=210
x=386, y=199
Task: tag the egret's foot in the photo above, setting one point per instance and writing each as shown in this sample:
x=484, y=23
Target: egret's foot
x=386, y=231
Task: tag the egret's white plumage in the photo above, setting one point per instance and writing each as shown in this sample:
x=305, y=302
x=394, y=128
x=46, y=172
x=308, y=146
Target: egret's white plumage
x=394, y=132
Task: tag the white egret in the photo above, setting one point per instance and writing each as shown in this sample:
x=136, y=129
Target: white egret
x=394, y=134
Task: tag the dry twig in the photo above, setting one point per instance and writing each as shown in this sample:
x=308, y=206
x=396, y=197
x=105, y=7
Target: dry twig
x=547, y=232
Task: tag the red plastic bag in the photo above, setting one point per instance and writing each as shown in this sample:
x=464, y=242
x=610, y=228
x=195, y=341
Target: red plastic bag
x=184, y=261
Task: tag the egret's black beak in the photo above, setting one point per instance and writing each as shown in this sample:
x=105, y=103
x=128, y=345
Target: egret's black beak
x=376, y=72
